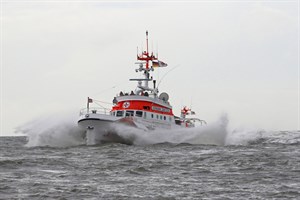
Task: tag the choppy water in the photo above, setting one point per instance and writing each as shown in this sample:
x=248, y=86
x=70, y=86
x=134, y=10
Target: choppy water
x=205, y=163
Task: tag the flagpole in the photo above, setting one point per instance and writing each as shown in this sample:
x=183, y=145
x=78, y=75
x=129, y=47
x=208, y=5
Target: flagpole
x=88, y=104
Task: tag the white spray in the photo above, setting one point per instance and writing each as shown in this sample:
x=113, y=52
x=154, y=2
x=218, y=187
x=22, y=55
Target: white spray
x=58, y=130
x=61, y=130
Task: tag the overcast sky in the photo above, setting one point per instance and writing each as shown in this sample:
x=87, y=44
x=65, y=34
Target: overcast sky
x=237, y=57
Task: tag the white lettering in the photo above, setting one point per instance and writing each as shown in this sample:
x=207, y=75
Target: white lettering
x=161, y=109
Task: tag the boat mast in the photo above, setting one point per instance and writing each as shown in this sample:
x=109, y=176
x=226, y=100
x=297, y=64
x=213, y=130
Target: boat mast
x=147, y=63
x=145, y=54
x=145, y=58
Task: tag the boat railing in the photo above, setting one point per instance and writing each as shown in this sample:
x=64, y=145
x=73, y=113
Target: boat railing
x=94, y=110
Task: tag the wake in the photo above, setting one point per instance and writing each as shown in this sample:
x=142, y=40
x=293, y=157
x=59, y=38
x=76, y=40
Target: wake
x=62, y=131
x=214, y=134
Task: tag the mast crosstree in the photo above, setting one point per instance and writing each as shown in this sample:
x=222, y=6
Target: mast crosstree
x=144, y=59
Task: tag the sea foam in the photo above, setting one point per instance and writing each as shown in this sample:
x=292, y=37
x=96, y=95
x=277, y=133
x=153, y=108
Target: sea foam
x=61, y=130
x=56, y=130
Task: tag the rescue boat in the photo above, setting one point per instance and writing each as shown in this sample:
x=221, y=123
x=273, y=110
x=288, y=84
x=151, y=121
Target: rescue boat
x=144, y=108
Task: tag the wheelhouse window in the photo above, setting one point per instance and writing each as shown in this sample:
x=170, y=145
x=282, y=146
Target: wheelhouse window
x=129, y=113
x=146, y=107
x=139, y=113
x=120, y=113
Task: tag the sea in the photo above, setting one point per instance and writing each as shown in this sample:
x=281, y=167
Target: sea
x=52, y=160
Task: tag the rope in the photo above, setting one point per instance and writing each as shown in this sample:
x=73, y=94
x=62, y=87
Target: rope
x=100, y=105
x=107, y=89
x=167, y=74
x=102, y=102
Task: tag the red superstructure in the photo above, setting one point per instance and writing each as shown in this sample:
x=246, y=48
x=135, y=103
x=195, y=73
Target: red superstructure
x=142, y=105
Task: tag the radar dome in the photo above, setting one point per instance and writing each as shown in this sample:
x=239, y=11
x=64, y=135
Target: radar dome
x=164, y=96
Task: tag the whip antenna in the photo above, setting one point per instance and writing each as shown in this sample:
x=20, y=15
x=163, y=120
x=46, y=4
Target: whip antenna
x=167, y=74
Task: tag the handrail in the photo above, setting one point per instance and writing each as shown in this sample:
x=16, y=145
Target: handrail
x=94, y=110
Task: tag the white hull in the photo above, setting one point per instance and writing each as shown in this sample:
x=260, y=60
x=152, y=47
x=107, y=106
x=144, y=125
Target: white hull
x=101, y=128
x=98, y=128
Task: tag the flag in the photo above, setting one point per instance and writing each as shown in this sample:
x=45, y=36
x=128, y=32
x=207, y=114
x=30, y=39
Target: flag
x=158, y=63
x=88, y=103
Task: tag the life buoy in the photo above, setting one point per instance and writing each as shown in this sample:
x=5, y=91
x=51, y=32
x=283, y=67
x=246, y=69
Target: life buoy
x=126, y=104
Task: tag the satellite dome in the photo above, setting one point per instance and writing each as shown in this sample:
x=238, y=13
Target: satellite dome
x=164, y=96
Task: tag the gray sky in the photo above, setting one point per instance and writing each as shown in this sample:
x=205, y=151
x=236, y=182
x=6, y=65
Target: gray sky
x=238, y=57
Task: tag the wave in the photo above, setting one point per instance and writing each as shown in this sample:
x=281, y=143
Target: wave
x=61, y=130
x=253, y=137
x=214, y=134
x=55, y=130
